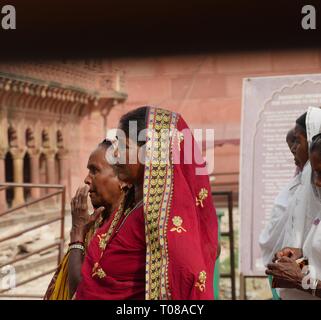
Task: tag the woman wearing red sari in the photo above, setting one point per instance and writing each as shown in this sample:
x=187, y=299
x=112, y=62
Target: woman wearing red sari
x=162, y=241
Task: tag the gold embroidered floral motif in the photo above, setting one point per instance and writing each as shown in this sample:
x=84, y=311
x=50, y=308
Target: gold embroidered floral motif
x=178, y=221
x=97, y=271
x=180, y=138
x=200, y=284
x=102, y=241
x=202, y=195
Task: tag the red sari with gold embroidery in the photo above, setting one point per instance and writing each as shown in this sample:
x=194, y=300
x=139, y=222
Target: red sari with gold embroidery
x=165, y=249
x=118, y=271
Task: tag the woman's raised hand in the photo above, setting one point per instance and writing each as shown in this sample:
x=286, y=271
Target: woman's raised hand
x=80, y=216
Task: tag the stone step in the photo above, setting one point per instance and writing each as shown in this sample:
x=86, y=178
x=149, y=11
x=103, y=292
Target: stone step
x=28, y=270
x=29, y=216
x=32, y=267
x=31, y=242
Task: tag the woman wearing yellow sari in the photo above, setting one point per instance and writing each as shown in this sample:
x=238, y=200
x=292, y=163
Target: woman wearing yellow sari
x=105, y=193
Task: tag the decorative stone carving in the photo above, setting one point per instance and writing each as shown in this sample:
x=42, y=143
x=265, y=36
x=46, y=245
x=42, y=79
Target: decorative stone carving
x=45, y=139
x=12, y=137
x=60, y=140
x=30, y=139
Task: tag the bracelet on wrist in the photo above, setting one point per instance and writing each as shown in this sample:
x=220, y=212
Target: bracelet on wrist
x=77, y=246
x=76, y=242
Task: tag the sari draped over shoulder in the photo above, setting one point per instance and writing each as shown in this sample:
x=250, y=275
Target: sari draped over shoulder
x=180, y=218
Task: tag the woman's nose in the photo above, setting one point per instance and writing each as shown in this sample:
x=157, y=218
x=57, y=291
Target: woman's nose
x=87, y=180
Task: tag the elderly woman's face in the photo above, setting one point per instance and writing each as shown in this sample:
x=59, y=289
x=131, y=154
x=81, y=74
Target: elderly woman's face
x=101, y=179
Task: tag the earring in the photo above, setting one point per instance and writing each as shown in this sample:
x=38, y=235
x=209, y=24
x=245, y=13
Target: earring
x=124, y=187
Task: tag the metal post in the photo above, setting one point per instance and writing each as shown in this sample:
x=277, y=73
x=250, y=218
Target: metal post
x=62, y=226
x=231, y=230
x=61, y=241
x=219, y=214
x=242, y=287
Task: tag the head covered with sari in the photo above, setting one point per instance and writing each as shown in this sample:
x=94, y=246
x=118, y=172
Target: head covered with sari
x=311, y=246
x=305, y=202
x=181, y=227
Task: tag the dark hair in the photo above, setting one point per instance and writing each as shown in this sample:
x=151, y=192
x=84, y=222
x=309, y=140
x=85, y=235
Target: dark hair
x=105, y=144
x=316, y=143
x=290, y=135
x=301, y=122
x=140, y=116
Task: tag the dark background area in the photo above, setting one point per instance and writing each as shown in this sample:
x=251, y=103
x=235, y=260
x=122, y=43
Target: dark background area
x=49, y=29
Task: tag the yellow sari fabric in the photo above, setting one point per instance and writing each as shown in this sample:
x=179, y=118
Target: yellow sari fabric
x=58, y=288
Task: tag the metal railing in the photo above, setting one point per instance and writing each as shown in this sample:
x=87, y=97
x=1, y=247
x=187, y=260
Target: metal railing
x=60, y=243
x=230, y=235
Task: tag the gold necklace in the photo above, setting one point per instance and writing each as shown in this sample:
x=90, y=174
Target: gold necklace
x=105, y=237
x=128, y=213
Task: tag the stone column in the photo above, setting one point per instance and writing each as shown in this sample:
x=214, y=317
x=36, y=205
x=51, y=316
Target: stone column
x=34, y=159
x=51, y=175
x=51, y=166
x=64, y=168
x=64, y=172
x=18, y=176
x=3, y=202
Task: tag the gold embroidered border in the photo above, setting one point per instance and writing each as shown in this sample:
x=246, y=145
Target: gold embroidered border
x=165, y=290
x=157, y=197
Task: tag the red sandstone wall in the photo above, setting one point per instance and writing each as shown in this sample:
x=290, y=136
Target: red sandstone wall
x=205, y=89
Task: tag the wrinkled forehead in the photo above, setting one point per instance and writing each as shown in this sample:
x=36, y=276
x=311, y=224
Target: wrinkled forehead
x=97, y=156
